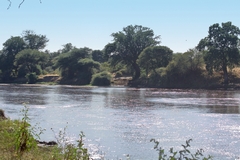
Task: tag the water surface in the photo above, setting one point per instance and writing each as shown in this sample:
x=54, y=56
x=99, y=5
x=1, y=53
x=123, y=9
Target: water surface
x=121, y=121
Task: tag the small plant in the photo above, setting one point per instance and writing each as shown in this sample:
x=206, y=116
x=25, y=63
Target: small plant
x=69, y=150
x=184, y=154
x=25, y=134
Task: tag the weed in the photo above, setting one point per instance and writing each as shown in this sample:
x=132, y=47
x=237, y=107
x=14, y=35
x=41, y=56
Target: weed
x=25, y=134
x=179, y=155
x=69, y=150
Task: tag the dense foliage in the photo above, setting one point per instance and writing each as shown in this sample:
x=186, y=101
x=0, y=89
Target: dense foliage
x=129, y=44
x=20, y=53
x=221, y=48
x=101, y=79
x=135, y=52
x=77, y=65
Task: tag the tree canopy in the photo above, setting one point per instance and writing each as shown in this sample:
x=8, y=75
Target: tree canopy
x=77, y=64
x=134, y=50
x=98, y=56
x=131, y=42
x=10, y=49
x=31, y=61
x=34, y=41
x=155, y=57
x=221, y=48
x=14, y=45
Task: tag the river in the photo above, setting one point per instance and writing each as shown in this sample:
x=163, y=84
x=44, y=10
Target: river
x=121, y=121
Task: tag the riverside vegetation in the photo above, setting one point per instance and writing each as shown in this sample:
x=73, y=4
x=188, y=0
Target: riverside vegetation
x=134, y=52
x=19, y=140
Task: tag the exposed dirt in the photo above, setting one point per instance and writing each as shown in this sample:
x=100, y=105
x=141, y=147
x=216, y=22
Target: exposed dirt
x=49, y=78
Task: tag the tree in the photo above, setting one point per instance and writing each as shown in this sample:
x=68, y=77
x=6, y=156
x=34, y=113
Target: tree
x=77, y=64
x=67, y=48
x=34, y=41
x=130, y=43
x=221, y=48
x=183, y=71
x=98, y=56
x=194, y=59
x=28, y=40
x=10, y=49
x=13, y=45
x=86, y=68
x=155, y=57
x=68, y=62
x=31, y=61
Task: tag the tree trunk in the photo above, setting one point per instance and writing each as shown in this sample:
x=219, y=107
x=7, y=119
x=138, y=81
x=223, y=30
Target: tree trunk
x=225, y=74
x=137, y=71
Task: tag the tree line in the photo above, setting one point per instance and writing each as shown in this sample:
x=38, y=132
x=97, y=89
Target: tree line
x=135, y=51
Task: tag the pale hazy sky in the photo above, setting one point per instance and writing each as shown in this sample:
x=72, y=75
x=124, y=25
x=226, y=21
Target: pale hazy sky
x=90, y=23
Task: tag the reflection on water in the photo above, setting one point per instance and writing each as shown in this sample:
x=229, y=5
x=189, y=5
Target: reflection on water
x=121, y=121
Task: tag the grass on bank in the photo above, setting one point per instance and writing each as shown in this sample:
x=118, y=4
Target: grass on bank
x=8, y=148
x=18, y=142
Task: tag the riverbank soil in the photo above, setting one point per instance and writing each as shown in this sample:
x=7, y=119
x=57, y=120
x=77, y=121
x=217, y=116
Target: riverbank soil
x=49, y=78
x=123, y=81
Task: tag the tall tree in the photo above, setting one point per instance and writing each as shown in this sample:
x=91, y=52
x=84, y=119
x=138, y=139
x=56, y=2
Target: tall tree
x=130, y=43
x=77, y=64
x=34, y=41
x=31, y=61
x=221, y=48
x=10, y=49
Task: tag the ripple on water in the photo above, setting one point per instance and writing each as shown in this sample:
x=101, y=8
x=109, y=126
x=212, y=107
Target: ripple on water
x=121, y=121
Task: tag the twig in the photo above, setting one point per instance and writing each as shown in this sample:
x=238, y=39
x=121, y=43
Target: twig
x=10, y=3
x=21, y=4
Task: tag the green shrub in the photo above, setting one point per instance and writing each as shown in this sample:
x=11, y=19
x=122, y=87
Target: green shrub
x=185, y=153
x=31, y=78
x=101, y=79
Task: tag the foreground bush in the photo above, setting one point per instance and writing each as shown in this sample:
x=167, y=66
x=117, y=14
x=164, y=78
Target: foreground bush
x=101, y=79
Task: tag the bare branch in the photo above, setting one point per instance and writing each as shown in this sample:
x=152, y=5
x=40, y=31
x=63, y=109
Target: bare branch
x=10, y=3
x=21, y=4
